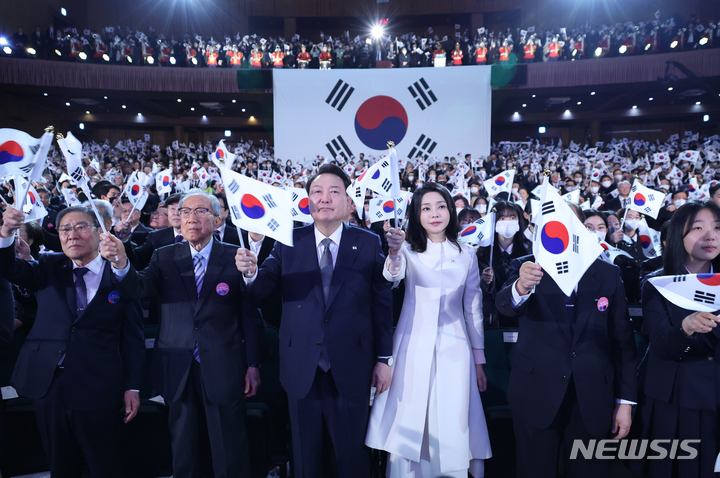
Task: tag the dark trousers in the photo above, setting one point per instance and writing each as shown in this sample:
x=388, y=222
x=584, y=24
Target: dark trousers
x=67, y=435
x=538, y=449
x=225, y=429
x=346, y=420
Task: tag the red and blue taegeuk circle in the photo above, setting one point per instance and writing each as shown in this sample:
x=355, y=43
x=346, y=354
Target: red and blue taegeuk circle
x=252, y=207
x=381, y=119
x=388, y=206
x=645, y=241
x=555, y=237
x=639, y=199
x=304, y=206
x=219, y=154
x=500, y=180
x=468, y=231
x=10, y=152
x=166, y=180
x=31, y=196
x=135, y=190
x=709, y=279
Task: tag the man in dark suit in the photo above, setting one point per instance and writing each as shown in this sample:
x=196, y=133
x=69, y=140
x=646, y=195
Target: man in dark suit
x=574, y=371
x=140, y=256
x=336, y=329
x=84, y=355
x=226, y=232
x=209, y=342
x=621, y=200
x=378, y=55
x=138, y=231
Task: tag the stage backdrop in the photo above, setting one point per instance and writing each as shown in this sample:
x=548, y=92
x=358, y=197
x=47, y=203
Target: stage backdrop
x=427, y=112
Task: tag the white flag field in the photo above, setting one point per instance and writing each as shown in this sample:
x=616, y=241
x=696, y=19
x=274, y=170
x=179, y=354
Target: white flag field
x=426, y=112
x=562, y=246
x=698, y=292
x=645, y=200
x=478, y=233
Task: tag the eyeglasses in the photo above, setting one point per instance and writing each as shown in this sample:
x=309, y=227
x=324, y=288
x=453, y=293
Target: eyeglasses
x=80, y=227
x=156, y=214
x=200, y=212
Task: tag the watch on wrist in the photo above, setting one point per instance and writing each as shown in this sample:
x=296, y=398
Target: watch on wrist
x=387, y=361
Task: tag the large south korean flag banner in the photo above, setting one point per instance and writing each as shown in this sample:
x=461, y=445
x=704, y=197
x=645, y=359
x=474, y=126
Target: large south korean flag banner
x=426, y=112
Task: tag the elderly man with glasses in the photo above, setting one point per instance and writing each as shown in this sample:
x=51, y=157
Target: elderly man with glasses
x=207, y=353
x=83, y=357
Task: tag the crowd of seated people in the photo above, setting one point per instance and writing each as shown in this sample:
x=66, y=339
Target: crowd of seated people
x=113, y=45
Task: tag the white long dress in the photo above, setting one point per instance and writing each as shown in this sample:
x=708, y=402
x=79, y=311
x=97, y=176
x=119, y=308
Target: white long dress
x=431, y=419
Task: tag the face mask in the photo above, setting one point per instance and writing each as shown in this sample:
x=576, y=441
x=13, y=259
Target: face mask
x=411, y=178
x=507, y=229
x=679, y=202
x=474, y=190
x=482, y=208
x=570, y=188
x=553, y=168
x=514, y=190
x=594, y=189
x=606, y=184
x=510, y=165
x=665, y=186
x=578, y=180
x=674, y=182
x=632, y=224
x=431, y=178
x=600, y=235
x=618, y=178
x=419, y=185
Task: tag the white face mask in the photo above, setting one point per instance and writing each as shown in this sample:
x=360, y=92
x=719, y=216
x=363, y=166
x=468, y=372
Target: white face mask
x=632, y=224
x=665, y=186
x=570, y=188
x=679, y=202
x=594, y=189
x=600, y=235
x=618, y=178
x=482, y=208
x=411, y=178
x=507, y=229
x=431, y=178
x=606, y=184
x=474, y=190
x=553, y=168
x=674, y=182
x=514, y=190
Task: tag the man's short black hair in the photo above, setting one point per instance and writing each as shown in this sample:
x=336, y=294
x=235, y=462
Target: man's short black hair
x=92, y=219
x=103, y=188
x=174, y=199
x=224, y=199
x=328, y=169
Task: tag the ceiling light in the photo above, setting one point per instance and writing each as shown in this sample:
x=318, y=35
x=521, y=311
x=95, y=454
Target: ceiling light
x=234, y=101
x=104, y=97
x=697, y=102
x=252, y=117
x=81, y=125
x=63, y=12
x=670, y=88
x=524, y=105
x=44, y=94
x=139, y=114
x=541, y=129
x=534, y=96
x=243, y=110
x=192, y=109
x=123, y=106
x=567, y=112
x=650, y=99
x=204, y=117
x=67, y=103
x=228, y=133
x=579, y=102
x=87, y=112
x=634, y=107
x=706, y=118
x=592, y=93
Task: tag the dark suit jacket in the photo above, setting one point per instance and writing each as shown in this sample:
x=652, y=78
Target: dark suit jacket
x=231, y=236
x=227, y=330
x=598, y=352
x=140, y=256
x=680, y=369
x=7, y=312
x=104, y=348
x=356, y=323
x=140, y=234
x=270, y=306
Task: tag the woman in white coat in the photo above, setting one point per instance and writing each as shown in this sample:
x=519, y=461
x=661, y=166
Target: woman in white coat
x=431, y=419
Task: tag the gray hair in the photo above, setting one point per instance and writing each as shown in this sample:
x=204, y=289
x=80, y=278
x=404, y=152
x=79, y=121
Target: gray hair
x=104, y=208
x=214, y=203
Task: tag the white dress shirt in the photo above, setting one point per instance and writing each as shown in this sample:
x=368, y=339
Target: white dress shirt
x=92, y=277
x=334, y=245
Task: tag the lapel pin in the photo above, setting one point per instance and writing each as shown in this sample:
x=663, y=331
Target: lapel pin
x=354, y=248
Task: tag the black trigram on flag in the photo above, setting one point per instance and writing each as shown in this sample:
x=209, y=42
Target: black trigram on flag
x=423, y=147
x=77, y=175
x=233, y=187
x=293, y=212
x=294, y=197
x=338, y=147
x=386, y=185
x=269, y=200
x=235, y=212
x=647, y=209
x=705, y=297
x=273, y=224
x=562, y=267
x=422, y=94
x=679, y=278
x=548, y=207
x=576, y=244
x=27, y=168
x=339, y=95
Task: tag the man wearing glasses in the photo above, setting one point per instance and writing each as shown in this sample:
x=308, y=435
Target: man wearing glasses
x=83, y=357
x=208, y=348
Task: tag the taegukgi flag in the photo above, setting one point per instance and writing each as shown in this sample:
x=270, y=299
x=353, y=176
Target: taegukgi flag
x=478, y=233
x=300, y=205
x=258, y=207
x=698, y=292
x=500, y=183
x=562, y=244
x=348, y=112
x=645, y=200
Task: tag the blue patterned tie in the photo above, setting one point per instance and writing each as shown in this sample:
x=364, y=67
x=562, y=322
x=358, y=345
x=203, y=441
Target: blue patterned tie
x=80, y=289
x=199, y=276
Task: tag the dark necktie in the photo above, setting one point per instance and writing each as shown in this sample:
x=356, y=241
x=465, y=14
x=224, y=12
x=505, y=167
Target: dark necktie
x=570, y=306
x=80, y=290
x=326, y=272
x=178, y=238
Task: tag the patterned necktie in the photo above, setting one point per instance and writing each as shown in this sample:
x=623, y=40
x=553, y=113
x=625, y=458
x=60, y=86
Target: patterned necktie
x=326, y=267
x=178, y=238
x=199, y=276
x=80, y=289
x=199, y=272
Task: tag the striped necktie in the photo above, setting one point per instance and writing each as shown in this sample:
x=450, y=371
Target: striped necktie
x=199, y=272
